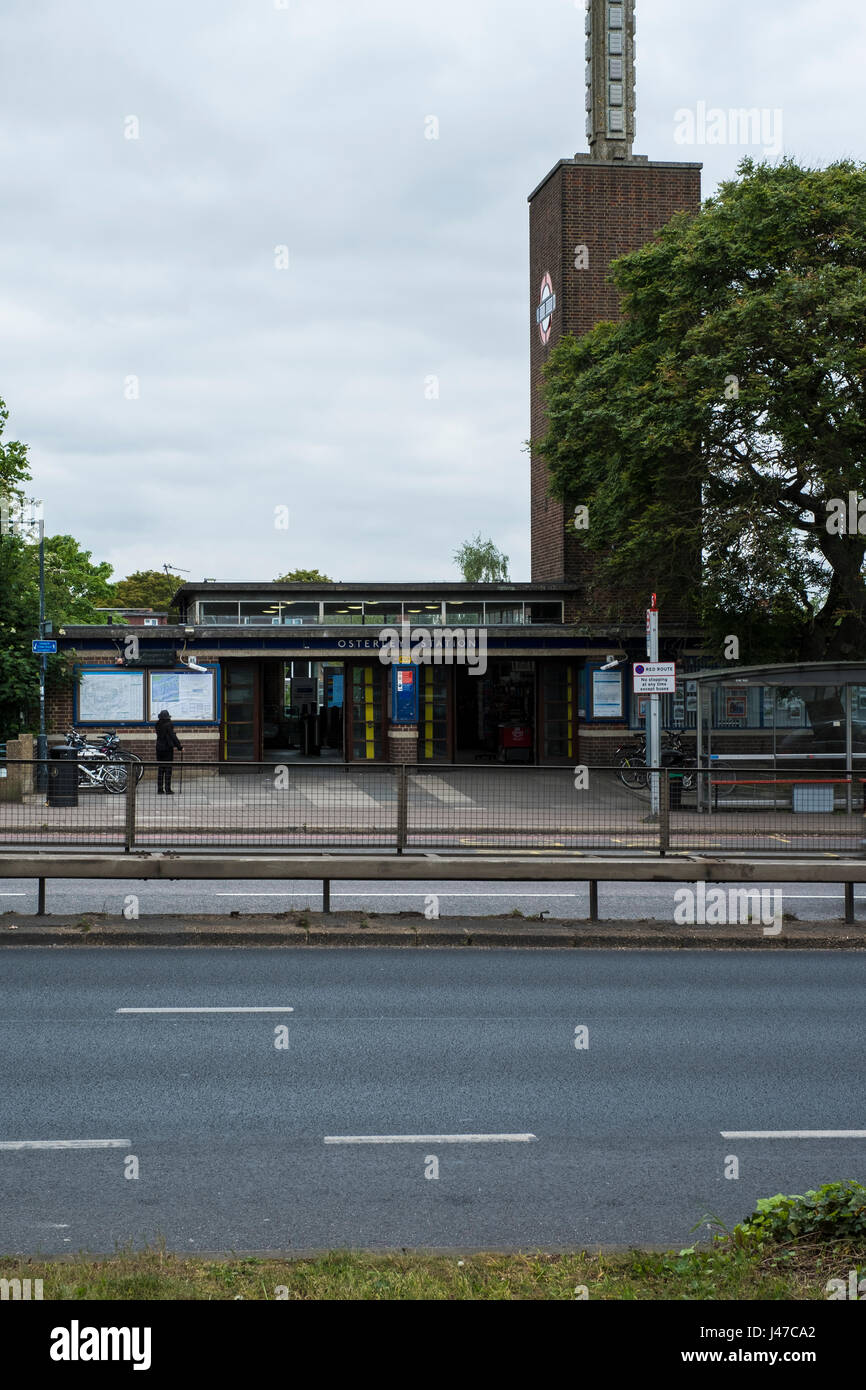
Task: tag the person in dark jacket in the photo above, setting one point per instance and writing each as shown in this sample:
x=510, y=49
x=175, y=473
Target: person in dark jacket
x=166, y=742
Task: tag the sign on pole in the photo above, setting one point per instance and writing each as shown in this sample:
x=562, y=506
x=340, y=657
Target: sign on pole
x=654, y=677
x=46, y=645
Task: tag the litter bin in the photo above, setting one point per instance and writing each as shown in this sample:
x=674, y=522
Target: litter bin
x=63, y=777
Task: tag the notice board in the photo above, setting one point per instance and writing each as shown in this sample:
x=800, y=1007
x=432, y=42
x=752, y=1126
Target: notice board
x=189, y=696
x=110, y=697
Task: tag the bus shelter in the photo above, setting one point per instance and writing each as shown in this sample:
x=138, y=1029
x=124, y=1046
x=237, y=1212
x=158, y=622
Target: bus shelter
x=808, y=718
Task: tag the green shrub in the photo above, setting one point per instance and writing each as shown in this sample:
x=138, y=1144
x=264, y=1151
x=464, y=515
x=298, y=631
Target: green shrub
x=834, y=1212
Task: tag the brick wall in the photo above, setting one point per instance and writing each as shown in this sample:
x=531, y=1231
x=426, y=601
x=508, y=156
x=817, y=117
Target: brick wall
x=610, y=209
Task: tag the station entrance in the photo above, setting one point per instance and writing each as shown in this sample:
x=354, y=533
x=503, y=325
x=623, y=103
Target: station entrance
x=281, y=711
x=285, y=710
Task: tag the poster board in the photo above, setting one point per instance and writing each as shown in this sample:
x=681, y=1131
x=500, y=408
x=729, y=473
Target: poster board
x=189, y=696
x=110, y=697
x=607, y=695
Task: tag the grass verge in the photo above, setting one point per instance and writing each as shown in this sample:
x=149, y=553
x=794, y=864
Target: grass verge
x=710, y=1274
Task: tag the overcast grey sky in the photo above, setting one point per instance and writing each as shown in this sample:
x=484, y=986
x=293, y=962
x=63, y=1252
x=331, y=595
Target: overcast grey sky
x=302, y=123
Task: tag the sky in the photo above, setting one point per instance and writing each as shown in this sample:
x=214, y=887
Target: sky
x=255, y=318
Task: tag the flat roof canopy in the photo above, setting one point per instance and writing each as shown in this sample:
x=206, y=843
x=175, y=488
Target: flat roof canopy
x=801, y=673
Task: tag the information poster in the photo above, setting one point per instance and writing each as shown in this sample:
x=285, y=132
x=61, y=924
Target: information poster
x=187, y=695
x=607, y=695
x=111, y=697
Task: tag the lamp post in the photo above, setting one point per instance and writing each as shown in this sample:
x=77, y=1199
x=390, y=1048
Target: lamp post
x=42, y=740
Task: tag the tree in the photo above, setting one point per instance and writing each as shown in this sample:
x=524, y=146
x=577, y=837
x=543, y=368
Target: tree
x=14, y=470
x=714, y=432
x=17, y=665
x=146, y=589
x=75, y=588
x=303, y=577
x=481, y=562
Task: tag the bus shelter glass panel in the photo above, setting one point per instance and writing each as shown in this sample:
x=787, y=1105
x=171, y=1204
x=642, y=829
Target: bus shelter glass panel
x=367, y=720
x=434, y=693
x=810, y=723
x=857, y=697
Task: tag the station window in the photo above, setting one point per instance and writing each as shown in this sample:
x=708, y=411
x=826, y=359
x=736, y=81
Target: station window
x=260, y=612
x=550, y=612
x=297, y=614
x=420, y=613
x=218, y=613
x=383, y=613
x=343, y=614
x=503, y=614
x=464, y=613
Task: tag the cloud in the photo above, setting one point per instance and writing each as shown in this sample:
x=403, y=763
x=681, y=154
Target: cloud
x=261, y=127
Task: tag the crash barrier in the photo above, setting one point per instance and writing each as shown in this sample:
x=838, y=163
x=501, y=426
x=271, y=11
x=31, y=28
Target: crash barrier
x=389, y=868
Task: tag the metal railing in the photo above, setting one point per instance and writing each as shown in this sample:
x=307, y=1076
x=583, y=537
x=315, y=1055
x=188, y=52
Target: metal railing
x=347, y=808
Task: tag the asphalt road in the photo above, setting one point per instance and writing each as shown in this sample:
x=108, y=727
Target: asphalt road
x=229, y=1131
x=628, y=901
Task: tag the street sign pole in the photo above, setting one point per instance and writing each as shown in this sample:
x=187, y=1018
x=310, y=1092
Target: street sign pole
x=653, y=730
x=42, y=741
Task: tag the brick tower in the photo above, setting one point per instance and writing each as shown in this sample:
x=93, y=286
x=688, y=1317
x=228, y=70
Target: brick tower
x=587, y=211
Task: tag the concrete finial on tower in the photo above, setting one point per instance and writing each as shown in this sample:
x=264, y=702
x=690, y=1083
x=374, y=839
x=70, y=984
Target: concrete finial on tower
x=610, y=104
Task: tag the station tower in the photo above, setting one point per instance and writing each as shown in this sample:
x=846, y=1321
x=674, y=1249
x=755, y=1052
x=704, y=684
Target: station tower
x=609, y=201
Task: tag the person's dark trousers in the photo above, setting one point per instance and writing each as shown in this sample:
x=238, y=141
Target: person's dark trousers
x=163, y=772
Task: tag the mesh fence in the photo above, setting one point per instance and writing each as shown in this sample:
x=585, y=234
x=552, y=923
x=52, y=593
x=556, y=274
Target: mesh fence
x=351, y=807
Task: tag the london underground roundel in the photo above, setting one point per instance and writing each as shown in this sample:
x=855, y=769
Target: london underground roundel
x=547, y=304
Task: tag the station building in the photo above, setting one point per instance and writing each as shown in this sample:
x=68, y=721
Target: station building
x=295, y=670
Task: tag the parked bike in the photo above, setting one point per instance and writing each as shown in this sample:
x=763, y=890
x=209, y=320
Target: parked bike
x=634, y=773
x=97, y=768
x=111, y=747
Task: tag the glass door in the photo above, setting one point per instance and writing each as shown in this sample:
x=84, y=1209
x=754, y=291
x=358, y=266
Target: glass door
x=241, y=712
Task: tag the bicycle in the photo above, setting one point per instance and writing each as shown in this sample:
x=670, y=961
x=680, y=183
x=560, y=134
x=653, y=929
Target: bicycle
x=98, y=769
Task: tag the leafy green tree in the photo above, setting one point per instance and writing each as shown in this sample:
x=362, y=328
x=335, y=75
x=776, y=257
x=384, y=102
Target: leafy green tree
x=75, y=588
x=17, y=667
x=480, y=562
x=303, y=577
x=146, y=589
x=712, y=432
x=14, y=470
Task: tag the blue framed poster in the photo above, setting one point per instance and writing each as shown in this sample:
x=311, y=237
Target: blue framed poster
x=607, y=695
x=404, y=695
